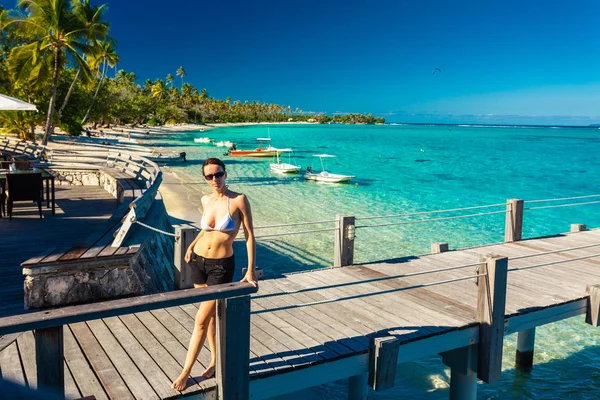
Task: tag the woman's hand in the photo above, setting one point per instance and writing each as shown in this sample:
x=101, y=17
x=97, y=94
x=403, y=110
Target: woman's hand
x=250, y=277
x=188, y=255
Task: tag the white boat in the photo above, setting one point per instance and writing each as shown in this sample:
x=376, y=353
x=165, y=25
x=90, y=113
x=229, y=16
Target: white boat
x=323, y=175
x=224, y=143
x=202, y=140
x=282, y=167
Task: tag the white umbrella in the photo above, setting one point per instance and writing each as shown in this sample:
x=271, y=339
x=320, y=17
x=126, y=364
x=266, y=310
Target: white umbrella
x=10, y=103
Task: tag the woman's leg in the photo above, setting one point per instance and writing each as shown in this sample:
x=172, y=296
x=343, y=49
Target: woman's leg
x=205, y=313
x=212, y=345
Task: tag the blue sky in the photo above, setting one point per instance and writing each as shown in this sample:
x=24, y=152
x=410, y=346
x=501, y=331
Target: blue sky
x=506, y=61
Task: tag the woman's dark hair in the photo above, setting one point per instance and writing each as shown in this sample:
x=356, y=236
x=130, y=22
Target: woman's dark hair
x=213, y=161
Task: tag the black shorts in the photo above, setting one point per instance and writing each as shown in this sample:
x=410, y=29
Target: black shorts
x=212, y=271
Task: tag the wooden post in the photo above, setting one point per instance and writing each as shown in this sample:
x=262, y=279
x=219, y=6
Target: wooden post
x=491, y=302
x=513, y=230
x=525, y=347
x=184, y=236
x=578, y=227
x=439, y=248
x=343, y=253
x=463, y=375
x=383, y=358
x=233, y=348
x=49, y=360
x=358, y=387
x=592, y=315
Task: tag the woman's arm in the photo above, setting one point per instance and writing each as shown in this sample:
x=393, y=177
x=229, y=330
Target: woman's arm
x=250, y=276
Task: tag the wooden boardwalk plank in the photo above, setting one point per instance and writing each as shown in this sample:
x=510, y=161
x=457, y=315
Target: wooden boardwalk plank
x=153, y=374
x=103, y=368
x=83, y=375
x=26, y=346
x=10, y=365
x=136, y=382
x=174, y=346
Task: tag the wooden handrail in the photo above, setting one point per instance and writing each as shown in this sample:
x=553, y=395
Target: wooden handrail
x=86, y=312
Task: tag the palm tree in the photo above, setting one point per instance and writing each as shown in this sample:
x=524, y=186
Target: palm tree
x=169, y=80
x=104, y=55
x=96, y=29
x=59, y=35
x=181, y=72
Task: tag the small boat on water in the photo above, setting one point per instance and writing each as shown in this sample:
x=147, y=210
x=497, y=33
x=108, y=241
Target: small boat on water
x=323, y=175
x=260, y=151
x=224, y=143
x=202, y=140
x=282, y=167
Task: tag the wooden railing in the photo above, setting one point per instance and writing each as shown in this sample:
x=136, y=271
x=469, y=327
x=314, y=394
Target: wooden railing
x=233, y=350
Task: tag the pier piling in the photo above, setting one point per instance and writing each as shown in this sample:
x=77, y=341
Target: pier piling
x=525, y=348
x=439, y=248
x=344, y=241
x=184, y=235
x=578, y=227
x=513, y=231
x=49, y=359
x=357, y=387
x=463, y=372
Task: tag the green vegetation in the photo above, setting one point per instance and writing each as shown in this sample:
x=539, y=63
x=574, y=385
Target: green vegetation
x=56, y=54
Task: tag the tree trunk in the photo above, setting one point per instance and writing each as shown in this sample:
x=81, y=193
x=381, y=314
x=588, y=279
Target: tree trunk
x=87, y=114
x=48, y=130
x=62, y=108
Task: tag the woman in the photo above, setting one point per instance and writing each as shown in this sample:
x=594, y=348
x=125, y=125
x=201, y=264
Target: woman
x=211, y=257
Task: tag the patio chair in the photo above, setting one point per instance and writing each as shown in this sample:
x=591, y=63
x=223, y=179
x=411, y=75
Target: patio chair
x=23, y=187
x=22, y=165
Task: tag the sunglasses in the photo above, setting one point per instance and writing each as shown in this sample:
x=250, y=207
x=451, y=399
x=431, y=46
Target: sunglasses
x=217, y=175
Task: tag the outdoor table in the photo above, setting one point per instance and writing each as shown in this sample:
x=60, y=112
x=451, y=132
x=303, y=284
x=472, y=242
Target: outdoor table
x=47, y=178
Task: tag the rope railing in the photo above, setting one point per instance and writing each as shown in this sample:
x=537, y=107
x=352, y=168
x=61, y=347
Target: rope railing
x=563, y=199
x=563, y=205
x=430, y=212
x=433, y=219
x=384, y=278
x=554, y=251
x=358, y=296
x=553, y=262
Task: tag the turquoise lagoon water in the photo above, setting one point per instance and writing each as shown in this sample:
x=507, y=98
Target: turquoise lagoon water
x=403, y=169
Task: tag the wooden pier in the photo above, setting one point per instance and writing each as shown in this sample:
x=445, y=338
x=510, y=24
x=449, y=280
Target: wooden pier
x=354, y=322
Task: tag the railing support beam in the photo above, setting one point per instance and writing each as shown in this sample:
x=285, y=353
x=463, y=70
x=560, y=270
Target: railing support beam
x=513, y=231
x=184, y=236
x=463, y=372
x=233, y=349
x=343, y=253
x=49, y=359
x=491, y=302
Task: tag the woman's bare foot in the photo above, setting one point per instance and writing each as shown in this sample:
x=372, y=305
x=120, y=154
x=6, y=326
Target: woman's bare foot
x=181, y=382
x=209, y=372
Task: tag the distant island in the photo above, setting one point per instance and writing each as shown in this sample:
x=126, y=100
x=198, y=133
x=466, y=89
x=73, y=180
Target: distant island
x=58, y=60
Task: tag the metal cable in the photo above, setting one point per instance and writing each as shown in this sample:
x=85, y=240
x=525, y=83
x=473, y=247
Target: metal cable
x=295, y=224
x=554, y=251
x=554, y=262
x=367, y=294
x=430, y=212
x=155, y=229
x=562, y=199
x=433, y=219
x=295, y=233
x=563, y=205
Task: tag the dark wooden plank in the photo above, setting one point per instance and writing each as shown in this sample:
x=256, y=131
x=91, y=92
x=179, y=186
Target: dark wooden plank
x=103, y=368
x=73, y=254
x=34, y=260
x=82, y=371
x=71, y=389
x=49, y=350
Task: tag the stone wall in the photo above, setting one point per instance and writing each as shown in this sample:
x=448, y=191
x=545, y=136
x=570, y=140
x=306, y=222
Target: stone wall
x=149, y=270
x=70, y=177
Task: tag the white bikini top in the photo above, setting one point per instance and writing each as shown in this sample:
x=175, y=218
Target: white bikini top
x=226, y=224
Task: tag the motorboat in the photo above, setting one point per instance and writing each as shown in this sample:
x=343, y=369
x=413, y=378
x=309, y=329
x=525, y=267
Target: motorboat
x=264, y=149
x=224, y=143
x=283, y=167
x=202, y=140
x=324, y=175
